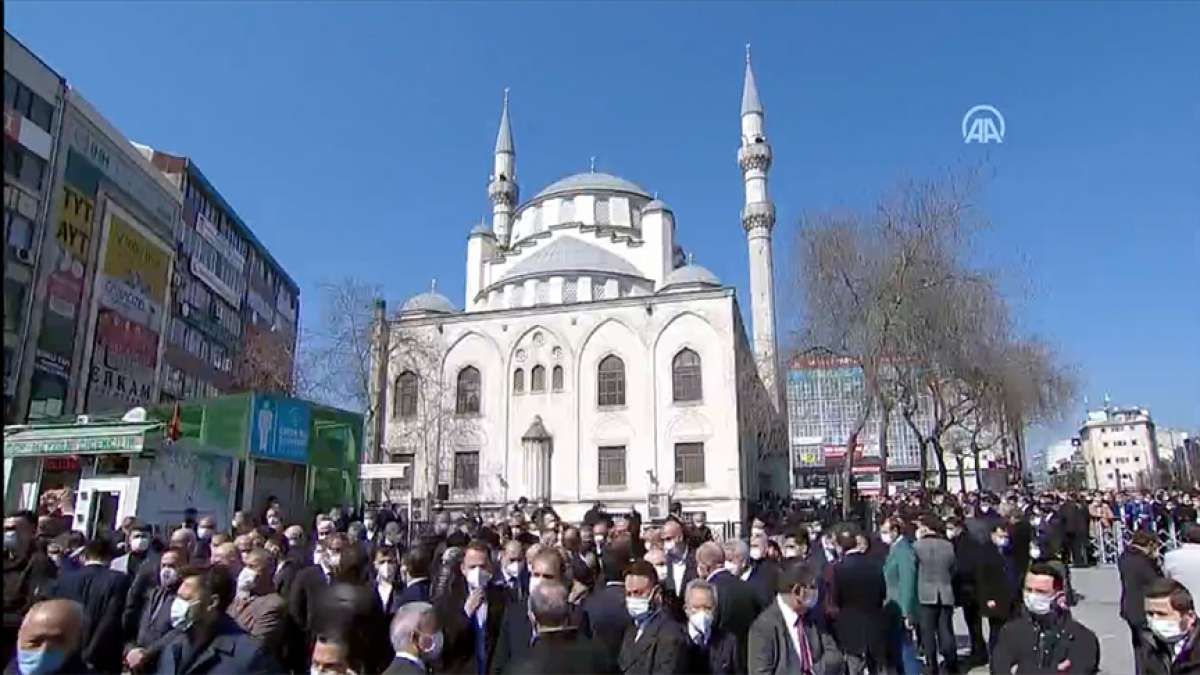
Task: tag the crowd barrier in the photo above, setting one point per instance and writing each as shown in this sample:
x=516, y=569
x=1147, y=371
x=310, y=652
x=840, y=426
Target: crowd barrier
x=1109, y=540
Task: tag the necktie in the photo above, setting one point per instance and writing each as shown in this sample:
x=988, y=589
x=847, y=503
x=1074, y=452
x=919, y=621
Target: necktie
x=806, y=664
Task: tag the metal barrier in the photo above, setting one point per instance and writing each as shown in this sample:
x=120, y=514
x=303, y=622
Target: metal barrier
x=1108, y=541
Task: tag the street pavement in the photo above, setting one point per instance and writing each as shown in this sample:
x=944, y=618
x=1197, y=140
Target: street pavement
x=1098, y=610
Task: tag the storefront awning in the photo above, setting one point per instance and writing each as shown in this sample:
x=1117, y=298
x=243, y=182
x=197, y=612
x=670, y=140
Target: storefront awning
x=81, y=439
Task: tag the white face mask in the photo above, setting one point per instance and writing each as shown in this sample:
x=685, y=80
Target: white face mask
x=333, y=560
x=180, y=612
x=10, y=541
x=167, y=576
x=246, y=580
x=204, y=533
x=1037, y=603
x=385, y=571
x=534, y=582
x=318, y=670
x=513, y=568
x=732, y=568
x=477, y=577
x=701, y=621
x=887, y=538
x=661, y=570
x=1167, y=630
x=756, y=553
x=139, y=544
x=637, y=607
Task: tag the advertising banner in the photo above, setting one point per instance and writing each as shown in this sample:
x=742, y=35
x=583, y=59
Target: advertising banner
x=132, y=285
x=279, y=429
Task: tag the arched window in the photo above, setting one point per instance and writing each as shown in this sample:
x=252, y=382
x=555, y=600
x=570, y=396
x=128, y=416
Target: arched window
x=467, y=391
x=611, y=381
x=537, y=379
x=685, y=376
x=406, y=395
x=519, y=381
x=556, y=378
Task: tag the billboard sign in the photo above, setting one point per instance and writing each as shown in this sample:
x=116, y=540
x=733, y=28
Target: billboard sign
x=279, y=429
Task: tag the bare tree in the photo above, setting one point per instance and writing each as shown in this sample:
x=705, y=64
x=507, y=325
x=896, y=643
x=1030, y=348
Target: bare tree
x=265, y=363
x=337, y=352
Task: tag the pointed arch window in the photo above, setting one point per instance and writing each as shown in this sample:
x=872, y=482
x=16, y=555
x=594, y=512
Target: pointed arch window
x=537, y=379
x=467, y=391
x=611, y=381
x=406, y=395
x=685, y=376
x=556, y=379
x=519, y=381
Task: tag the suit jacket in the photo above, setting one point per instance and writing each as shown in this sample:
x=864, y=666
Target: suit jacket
x=1076, y=644
x=286, y=574
x=996, y=581
x=231, y=650
x=763, y=575
x=566, y=652
x=738, y=606
x=1137, y=572
x=661, y=649
x=689, y=572
x=458, y=653
x=606, y=613
x=516, y=633
x=264, y=617
x=130, y=563
x=418, y=592
x=142, y=586
x=401, y=666
x=303, y=595
x=772, y=651
x=102, y=593
x=858, y=594
x=721, y=656
x=155, y=621
x=900, y=580
x=935, y=571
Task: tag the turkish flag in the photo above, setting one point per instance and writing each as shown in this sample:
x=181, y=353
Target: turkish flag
x=173, y=429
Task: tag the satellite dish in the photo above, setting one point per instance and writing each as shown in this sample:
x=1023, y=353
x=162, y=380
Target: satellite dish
x=137, y=414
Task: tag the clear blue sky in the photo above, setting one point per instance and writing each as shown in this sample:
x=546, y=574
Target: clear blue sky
x=355, y=138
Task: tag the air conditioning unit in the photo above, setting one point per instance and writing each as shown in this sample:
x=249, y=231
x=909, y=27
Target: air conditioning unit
x=24, y=255
x=658, y=506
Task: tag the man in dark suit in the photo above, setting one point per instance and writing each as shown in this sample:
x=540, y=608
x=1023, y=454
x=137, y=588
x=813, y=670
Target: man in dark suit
x=559, y=646
x=655, y=643
x=856, y=603
x=737, y=604
x=414, y=572
x=681, y=559
x=516, y=631
x=605, y=607
x=102, y=593
x=470, y=612
x=997, y=583
x=760, y=573
x=154, y=624
x=966, y=554
x=1045, y=639
x=787, y=638
x=711, y=650
x=1075, y=529
x=414, y=635
x=306, y=588
x=210, y=640
x=1138, y=567
x=514, y=576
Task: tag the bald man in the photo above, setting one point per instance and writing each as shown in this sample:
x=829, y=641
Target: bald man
x=50, y=637
x=737, y=603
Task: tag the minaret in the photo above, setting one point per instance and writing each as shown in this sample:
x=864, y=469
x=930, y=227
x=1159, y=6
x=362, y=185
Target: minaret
x=758, y=219
x=502, y=188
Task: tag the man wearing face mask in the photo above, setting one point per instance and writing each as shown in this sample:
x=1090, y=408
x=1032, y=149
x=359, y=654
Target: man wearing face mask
x=559, y=645
x=935, y=593
x=996, y=582
x=737, y=604
x=681, y=559
x=154, y=621
x=102, y=593
x=605, y=606
x=256, y=607
x=1173, y=641
x=711, y=650
x=307, y=586
x=49, y=641
x=1138, y=567
x=471, y=611
x=28, y=575
x=655, y=643
x=205, y=529
x=516, y=630
x=417, y=639
x=515, y=577
x=786, y=639
x=900, y=605
x=414, y=574
x=138, y=547
x=1046, y=639
x=208, y=640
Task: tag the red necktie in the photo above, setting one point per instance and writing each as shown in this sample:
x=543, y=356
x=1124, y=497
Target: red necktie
x=806, y=664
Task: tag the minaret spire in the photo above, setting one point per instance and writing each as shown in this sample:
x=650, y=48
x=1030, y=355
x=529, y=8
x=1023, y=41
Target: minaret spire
x=758, y=220
x=502, y=186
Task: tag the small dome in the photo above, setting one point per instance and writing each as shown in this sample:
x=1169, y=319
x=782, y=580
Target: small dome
x=429, y=301
x=591, y=181
x=655, y=205
x=481, y=228
x=690, y=275
x=567, y=255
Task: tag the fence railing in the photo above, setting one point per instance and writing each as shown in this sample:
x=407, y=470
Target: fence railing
x=1109, y=540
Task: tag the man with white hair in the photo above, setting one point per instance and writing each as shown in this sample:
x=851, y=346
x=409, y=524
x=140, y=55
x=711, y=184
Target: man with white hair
x=416, y=637
x=558, y=647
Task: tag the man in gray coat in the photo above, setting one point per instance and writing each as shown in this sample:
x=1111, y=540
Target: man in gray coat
x=787, y=638
x=935, y=593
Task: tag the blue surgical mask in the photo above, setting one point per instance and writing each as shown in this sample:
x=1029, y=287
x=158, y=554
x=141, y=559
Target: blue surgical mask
x=48, y=660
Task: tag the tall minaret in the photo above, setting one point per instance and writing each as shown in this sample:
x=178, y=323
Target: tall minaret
x=502, y=188
x=758, y=218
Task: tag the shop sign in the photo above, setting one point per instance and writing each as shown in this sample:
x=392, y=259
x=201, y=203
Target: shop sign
x=279, y=429
x=63, y=292
x=76, y=446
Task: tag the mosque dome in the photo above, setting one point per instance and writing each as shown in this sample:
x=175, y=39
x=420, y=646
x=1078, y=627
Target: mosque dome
x=429, y=301
x=591, y=182
x=688, y=277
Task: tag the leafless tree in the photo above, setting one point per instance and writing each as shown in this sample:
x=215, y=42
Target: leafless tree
x=265, y=363
x=336, y=363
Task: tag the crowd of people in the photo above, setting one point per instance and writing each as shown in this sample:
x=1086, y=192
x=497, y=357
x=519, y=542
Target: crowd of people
x=523, y=591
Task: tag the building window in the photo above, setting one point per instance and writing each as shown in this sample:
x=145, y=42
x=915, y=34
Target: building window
x=1133, y=441
x=14, y=305
x=689, y=462
x=519, y=381
x=18, y=229
x=467, y=392
x=611, y=381
x=556, y=378
x=566, y=212
x=571, y=290
x=22, y=100
x=612, y=466
x=603, y=212
x=466, y=471
x=406, y=395
x=405, y=482
x=541, y=293
x=599, y=290
x=23, y=165
x=537, y=379
x=685, y=376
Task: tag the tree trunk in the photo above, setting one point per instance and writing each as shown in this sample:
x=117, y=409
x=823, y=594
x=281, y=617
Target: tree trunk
x=848, y=468
x=978, y=471
x=943, y=478
x=884, y=420
x=962, y=472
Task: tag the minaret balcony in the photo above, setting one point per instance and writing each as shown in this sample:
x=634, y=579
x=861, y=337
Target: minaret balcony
x=755, y=156
x=758, y=214
x=503, y=191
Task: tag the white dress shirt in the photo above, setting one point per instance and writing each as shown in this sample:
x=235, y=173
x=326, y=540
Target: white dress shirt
x=790, y=617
